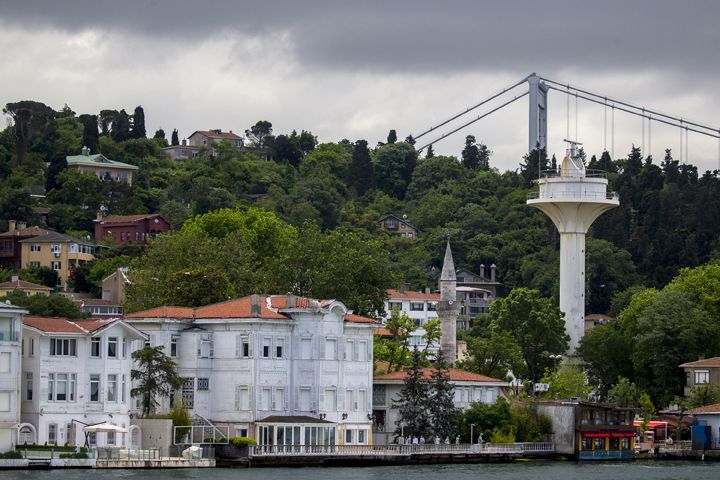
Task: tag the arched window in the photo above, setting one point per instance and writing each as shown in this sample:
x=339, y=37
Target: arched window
x=26, y=434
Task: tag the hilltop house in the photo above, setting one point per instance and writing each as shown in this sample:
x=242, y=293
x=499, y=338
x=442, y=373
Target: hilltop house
x=10, y=248
x=28, y=288
x=101, y=166
x=475, y=292
x=76, y=373
x=121, y=229
x=58, y=251
x=284, y=370
x=10, y=354
x=468, y=388
x=705, y=371
x=398, y=226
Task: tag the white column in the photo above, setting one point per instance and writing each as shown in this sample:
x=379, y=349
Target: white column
x=572, y=285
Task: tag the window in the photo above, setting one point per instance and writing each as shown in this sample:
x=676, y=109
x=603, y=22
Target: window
x=35, y=247
x=702, y=376
x=349, y=400
x=28, y=386
x=242, y=398
x=61, y=387
x=188, y=393
x=95, y=347
x=349, y=437
x=5, y=362
x=265, y=395
x=362, y=351
x=279, y=344
x=361, y=401
x=112, y=347
x=124, y=347
x=304, y=399
x=55, y=248
x=242, y=349
x=362, y=433
x=350, y=350
x=395, y=305
x=63, y=347
x=92, y=439
x=330, y=400
x=34, y=264
x=173, y=346
x=32, y=347
x=203, y=384
x=123, y=390
x=110, y=438
x=111, y=388
x=122, y=236
x=55, y=265
x=206, y=347
x=279, y=399
x=266, y=347
x=379, y=394
x=330, y=349
x=94, y=388
x=417, y=306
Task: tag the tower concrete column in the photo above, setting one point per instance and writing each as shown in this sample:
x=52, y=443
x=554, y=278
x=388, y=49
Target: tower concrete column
x=448, y=308
x=573, y=199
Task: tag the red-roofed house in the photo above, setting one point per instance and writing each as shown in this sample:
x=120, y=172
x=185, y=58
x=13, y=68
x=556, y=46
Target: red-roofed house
x=468, y=387
x=419, y=307
x=264, y=364
x=76, y=369
x=122, y=229
x=28, y=288
x=10, y=246
x=705, y=371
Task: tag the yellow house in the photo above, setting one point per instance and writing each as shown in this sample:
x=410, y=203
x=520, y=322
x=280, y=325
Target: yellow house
x=58, y=251
x=28, y=288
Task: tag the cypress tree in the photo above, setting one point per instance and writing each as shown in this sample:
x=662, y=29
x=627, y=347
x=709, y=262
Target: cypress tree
x=442, y=407
x=120, y=129
x=174, y=139
x=159, y=133
x=412, y=404
x=91, y=138
x=361, y=168
x=430, y=153
x=138, y=123
x=392, y=137
x=471, y=153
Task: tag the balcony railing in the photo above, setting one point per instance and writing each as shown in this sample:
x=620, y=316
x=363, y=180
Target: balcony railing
x=569, y=195
x=407, y=449
x=589, y=173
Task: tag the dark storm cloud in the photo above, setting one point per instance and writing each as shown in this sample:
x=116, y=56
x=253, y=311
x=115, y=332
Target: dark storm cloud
x=418, y=36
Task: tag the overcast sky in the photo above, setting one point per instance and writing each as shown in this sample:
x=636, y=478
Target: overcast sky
x=357, y=69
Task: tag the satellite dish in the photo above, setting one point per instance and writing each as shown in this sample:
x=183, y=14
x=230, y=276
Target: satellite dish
x=450, y=302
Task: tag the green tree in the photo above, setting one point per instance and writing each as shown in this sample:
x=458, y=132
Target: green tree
x=120, y=126
x=360, y=173
x=393, y=166
x=392, y=137
x=429, y=153
x=412, y=402
x=442, y=401
x=566, y=381
x=702, y=395
x=395, y=348
x=31, y=121
x=159, y=134
x=197, y=286
x=90, y=138
x=259, y=133
x=138, y=123
x=156, y=377
x=494, y=355
x=606, y=350
x=174, y=141
x=625, y=393
x=47, y=305
x=537, y=325
x=486, y=419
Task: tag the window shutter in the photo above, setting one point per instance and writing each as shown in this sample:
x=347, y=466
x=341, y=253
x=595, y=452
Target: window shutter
x=238, y=345
x=321, y=404
x=237, y=397
x=251, y=346
x=322, y=348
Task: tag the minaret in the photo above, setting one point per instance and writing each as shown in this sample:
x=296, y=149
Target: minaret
x=448, y=308
x=573, y=198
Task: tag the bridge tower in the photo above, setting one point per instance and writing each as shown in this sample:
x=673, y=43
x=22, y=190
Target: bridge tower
x=538, y=113
x=573, y=198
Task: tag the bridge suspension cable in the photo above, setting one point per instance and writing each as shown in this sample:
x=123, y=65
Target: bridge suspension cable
x=480, y=117
x=470, y=109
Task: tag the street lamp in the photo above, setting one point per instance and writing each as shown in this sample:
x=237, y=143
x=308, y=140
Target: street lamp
x=472, y=438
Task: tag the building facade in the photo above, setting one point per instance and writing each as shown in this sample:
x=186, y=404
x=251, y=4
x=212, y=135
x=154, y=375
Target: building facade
x=28, y=288
x=101, y=166
x=398, y=226
x=114, y=285
x=468, y=388
x=10, y=247
x=591, y=431
x=272, y=367
x=475, y=292
x=58, y=251
x=75, y=373
x=123, y=229
x=701, y=372
x=10, y=368
x=418, y=306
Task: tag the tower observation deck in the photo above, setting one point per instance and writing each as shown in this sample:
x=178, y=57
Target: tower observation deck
x=573, y=198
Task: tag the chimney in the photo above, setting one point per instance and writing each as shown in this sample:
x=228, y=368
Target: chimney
x=701, y=356
x=427, y=290
x=255, y=305
x=85, y=151
x=291, y=301
x=99, y=216
x=184, y=142
x=403, y=287
x=14, y=279
x=482, y=270
x=21, y=225
x=11, y=225
x=492, y=272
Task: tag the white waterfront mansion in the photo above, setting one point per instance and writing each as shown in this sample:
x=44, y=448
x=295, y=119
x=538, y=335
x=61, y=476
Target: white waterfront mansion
x=75, y=373
x=10, y=350
x=282, y=369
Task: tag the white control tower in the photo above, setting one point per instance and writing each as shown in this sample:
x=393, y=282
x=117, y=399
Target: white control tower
x=573, y=198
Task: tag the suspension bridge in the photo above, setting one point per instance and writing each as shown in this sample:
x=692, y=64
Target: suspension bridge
x=537, y=89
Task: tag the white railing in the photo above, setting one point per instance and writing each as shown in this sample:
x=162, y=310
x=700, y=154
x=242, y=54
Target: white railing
x=565, y=195
x=394, y=449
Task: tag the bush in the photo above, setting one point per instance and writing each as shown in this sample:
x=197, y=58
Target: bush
x=242, y=441
x=46, y=447
x=74, y=455
x=502, y=437
x=11, y=454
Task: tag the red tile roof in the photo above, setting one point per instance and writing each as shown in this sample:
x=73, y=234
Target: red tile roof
x=24, y=285
x=383, y=332
x=215, y=134
x=96, y=301
x=352, y=318
x=127, y=218
x=715, y=408
x=93, y=324
x=707, y=362
x=410, y=295
x=163, y=312
x=53, y=325
x=27, y=232
x=238, y=308
x=454, y=374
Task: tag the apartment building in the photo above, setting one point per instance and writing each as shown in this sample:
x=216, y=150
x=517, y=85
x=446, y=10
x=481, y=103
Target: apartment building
x=58, y=251
x=10, y=358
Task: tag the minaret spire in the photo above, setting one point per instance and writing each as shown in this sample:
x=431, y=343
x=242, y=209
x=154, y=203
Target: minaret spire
x=448, y=308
